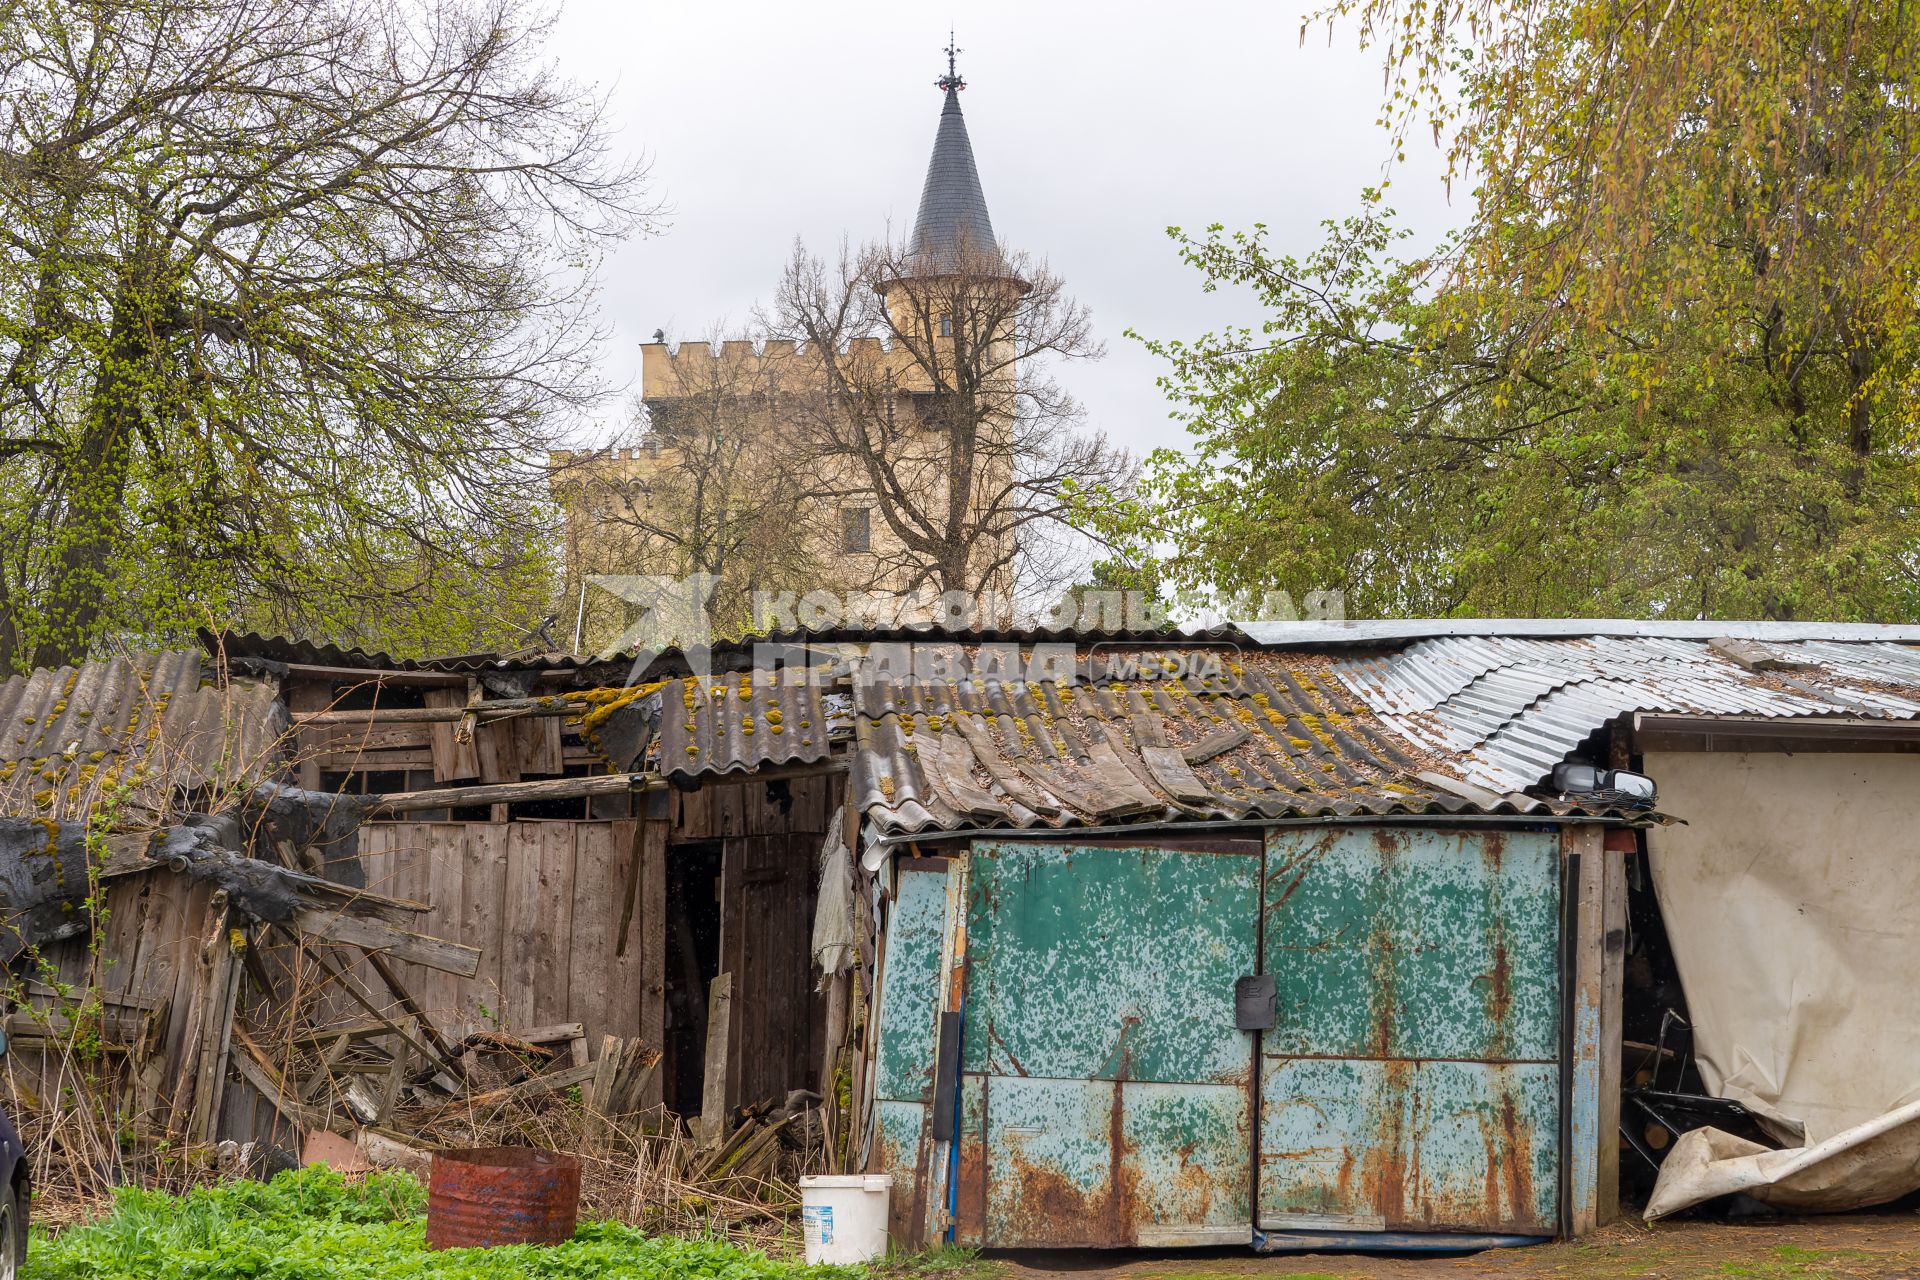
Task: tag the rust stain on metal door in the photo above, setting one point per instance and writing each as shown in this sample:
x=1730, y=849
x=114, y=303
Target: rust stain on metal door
x=1411, y=1081
x=1113, y=1099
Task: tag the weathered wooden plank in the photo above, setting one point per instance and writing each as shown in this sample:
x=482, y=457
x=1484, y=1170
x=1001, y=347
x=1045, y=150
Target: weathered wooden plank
x=378, y=935
x=444, y=706
x=1613, y=969
x=453, y=756
x=624, y=985
x=440, y=992
x=692, y=812
x=378, y=841
x=733, y=949
x=1586, y=952
x=213, y=1022
x=342, y=745
x=483, y=892
x=552, y=980
x=712, y=1126
x=592, y=978
x=522, y=919
x=507, y=792
x=306, y=697
x=605, y=1068
x=729, y=810
x=183, y=942
x=498, y=760
x=535, y=743
x=651, y=923
x=1216, y=743
x=1757, y=657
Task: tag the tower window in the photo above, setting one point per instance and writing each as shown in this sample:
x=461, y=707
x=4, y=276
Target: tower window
x=856, y=529
x=946, y=325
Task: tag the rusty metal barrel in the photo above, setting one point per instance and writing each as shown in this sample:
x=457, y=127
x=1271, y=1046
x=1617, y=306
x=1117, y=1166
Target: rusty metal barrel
x=478, y=1197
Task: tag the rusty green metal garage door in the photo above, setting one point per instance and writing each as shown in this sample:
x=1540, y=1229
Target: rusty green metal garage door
x=1105, y=1094
x=1411, y=1079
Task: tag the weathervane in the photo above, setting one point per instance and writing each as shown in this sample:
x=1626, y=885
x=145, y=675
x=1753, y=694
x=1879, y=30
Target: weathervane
x=951, y=80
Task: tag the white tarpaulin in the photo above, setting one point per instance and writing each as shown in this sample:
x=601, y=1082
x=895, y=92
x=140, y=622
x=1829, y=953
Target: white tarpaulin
x=1792, y=901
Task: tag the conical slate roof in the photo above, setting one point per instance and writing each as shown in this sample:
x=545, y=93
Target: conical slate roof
x=953, y=209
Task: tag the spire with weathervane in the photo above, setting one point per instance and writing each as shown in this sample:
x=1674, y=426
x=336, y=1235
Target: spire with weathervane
x=953, y=220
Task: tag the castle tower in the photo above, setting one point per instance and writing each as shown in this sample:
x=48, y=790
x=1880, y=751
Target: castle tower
x=953, y=223
x=723, y=468
x=953, y=251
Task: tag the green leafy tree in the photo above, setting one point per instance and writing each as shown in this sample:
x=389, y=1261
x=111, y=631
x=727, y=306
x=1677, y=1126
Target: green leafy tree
x=1666, y=368
x=292, y=302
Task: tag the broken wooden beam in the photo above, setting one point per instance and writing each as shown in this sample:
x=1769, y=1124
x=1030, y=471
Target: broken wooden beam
x=483, y=712
x=712, y=1127
x=552, y=1082
x=385, y=804
x=360, y=996
x=404, y=998
x=257, y=1071
x=378, y=936
x=602, y=784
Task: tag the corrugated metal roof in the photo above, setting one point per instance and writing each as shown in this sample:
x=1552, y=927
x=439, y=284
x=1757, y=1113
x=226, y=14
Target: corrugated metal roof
x=1377, y=631
x=149, y=722
x=1503, y=710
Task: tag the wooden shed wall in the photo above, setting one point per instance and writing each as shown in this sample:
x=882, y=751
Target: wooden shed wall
x=144, y=966
x=545, y=902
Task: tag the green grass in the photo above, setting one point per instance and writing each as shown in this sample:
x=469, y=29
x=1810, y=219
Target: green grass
x=942, y=1262
x=311, y=1224
x=1790, y=1262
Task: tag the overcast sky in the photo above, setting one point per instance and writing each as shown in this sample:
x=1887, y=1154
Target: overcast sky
x=1095, y=126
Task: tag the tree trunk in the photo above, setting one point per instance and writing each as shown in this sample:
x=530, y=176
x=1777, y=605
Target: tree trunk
x=1859, y=416
x=95, y=470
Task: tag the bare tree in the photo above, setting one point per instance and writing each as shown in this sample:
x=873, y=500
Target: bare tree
x=940, y=408
x=698, y=485
x=290, y=290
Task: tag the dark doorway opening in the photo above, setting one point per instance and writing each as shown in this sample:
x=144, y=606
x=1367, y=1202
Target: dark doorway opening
x=693, y=961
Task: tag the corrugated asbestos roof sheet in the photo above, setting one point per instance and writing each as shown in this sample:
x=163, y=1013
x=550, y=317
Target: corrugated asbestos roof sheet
x=285, y=649
x=151, y=722
x=236, y=645
x=1126, y=736
x=741, y=722
x=1503, y=710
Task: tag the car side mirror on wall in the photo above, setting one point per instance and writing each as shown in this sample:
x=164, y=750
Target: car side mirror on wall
x=1621, y=786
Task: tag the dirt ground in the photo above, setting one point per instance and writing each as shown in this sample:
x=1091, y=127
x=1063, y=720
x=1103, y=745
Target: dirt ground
x=1863, y=1247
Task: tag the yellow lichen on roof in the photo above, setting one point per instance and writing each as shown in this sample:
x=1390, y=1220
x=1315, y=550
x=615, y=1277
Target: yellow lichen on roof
x=598, y=705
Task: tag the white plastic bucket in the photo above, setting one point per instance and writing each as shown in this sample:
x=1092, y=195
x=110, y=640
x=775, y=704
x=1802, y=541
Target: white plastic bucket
x=844, y=1217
